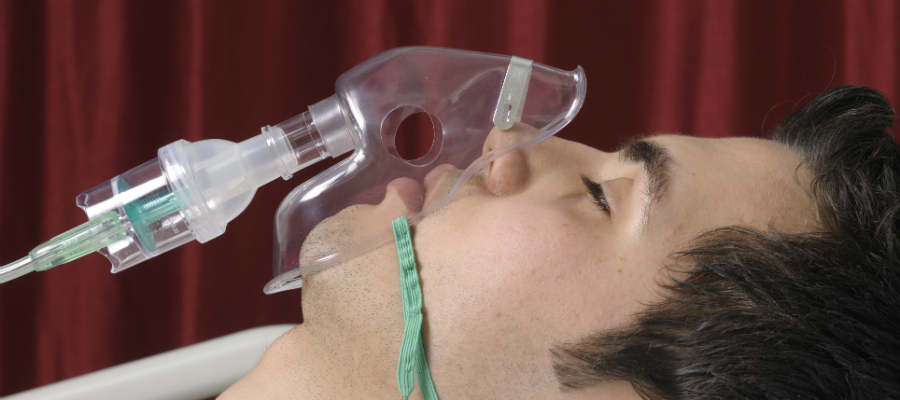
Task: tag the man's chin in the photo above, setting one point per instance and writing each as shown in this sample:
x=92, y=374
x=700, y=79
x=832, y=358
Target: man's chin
x=334, y=291
x=336, y=233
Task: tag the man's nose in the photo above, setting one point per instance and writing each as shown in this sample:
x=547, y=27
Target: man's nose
x=512, y=172
x=519, y=133
x=552, y=165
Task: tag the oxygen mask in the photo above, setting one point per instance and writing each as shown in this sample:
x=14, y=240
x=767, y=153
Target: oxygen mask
x=192, y=190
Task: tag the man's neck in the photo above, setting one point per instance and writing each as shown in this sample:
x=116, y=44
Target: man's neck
x=349, y=343
x=305, y=364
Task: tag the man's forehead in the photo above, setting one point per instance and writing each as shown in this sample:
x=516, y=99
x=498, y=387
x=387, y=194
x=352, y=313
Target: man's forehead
x=743, y=148
x=726, y=181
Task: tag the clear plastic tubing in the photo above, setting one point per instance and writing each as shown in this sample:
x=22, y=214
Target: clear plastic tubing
x=189, y=192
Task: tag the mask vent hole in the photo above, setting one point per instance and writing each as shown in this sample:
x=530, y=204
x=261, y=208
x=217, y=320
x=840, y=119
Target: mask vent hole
x=410, y=133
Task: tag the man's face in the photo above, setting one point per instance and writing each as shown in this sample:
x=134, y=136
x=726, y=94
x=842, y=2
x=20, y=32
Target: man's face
x=524, y=258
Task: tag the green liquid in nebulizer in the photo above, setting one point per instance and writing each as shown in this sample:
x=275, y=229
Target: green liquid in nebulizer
x=144, y=212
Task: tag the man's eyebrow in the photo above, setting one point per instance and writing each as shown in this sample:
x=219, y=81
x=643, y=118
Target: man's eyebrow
x=657, y=165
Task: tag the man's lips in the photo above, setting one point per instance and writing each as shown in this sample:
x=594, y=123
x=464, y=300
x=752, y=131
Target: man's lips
x=414, y=196
x=410, y=193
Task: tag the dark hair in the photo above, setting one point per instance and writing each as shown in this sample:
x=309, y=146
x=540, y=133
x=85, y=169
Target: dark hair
x=775, y=315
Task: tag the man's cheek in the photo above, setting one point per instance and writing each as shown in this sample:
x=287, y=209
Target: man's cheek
x=507, y=255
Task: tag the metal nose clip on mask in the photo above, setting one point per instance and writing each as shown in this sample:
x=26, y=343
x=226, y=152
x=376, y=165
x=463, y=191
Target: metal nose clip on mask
x=465, y=94
x=192, y=190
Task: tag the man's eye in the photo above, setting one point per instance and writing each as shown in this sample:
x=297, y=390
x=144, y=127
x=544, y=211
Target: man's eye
x=596, y=192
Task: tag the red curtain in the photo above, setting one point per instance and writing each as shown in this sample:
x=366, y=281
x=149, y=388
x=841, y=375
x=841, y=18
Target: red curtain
x=90, y=89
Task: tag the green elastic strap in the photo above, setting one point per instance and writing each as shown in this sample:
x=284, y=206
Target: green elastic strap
x=412, y=351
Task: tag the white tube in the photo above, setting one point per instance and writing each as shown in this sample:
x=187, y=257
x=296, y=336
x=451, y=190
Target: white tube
x=194, y=372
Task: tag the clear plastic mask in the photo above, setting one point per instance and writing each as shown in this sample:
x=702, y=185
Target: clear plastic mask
x=465, y=94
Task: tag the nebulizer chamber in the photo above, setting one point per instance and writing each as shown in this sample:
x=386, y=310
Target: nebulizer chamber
x=192, y=190
x=189, y=192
